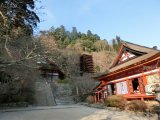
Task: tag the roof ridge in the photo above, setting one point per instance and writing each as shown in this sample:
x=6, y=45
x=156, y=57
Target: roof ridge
x=126, y=42
x=134, y=47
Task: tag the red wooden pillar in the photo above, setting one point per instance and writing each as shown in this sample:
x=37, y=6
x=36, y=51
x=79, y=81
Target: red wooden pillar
x=115, y=89
x=141, y=84
x=95, y=97
x=107, y=90
x=142, y=99
x=145, y=80
x=130, y=87
x=98, y=97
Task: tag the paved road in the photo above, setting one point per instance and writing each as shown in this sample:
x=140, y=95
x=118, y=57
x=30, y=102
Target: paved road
x=72, y=112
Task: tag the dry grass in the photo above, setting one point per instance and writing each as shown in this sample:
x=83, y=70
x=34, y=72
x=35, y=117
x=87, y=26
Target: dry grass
x=136, y=106
x=153, y=106
x=90, y=99
x=116, y=101
x=151, y=103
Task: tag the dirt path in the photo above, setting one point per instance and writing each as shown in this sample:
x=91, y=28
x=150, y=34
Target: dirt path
x=72, y=112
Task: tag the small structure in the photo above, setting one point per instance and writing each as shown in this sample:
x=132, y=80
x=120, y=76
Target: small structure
x=50, y=71
x=133, y=74
x=44, y=87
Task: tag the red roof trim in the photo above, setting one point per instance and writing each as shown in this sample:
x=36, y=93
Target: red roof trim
x=157, y=56
x=117, y=58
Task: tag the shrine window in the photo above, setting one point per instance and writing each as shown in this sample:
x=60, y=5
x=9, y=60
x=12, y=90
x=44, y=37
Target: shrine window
x=111, y=89
x=135, y=85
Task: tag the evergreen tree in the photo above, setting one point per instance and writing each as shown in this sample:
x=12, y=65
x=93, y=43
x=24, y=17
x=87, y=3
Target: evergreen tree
x=74, y=33
x=18, y=13
x=116, y=43
x=60, y=35
x=89, y=33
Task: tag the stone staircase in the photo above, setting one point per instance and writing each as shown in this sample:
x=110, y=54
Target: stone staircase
x=65, y=100
x=63, y=95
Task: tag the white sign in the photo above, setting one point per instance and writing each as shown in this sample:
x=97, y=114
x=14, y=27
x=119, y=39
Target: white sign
x=122, y=88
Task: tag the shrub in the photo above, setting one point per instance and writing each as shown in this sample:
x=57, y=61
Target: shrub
x=90, y=99
x=116, y=101
x=155, y=109
x=136, y=105
x=83, y=97
x=80, y=98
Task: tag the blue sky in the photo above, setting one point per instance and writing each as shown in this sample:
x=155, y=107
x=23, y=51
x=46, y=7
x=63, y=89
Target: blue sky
x=136, y=21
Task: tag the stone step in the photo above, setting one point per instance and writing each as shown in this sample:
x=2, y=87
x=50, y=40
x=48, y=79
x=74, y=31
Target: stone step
x=64, y=100
x=64, y=103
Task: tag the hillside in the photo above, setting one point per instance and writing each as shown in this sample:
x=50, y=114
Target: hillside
x=19, y=72
x=103, y=60
x=70, y=45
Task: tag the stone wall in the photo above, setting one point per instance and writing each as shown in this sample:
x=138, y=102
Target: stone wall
x=43, y=94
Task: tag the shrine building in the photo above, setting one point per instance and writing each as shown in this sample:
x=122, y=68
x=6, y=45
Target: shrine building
x=134, y=74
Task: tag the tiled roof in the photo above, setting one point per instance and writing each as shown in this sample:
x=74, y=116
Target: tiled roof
x=145, y=52
x=133, y=61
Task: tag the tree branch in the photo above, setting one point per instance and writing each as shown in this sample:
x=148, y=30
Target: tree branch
x=4, y=18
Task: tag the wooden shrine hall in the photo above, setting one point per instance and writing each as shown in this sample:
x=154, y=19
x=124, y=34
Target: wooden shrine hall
x=134, y=74
x=50, y=71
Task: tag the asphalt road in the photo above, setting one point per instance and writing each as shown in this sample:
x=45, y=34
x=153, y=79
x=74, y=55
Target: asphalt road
x=70, y=112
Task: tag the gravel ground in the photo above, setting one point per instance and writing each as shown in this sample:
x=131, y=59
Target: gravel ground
x=116, y=115
x=70, y=112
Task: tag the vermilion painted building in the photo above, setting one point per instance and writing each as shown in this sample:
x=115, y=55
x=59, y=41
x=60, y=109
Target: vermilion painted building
x=133, y=74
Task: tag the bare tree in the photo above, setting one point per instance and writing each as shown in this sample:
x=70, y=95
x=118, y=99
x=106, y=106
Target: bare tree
x=84, y=84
